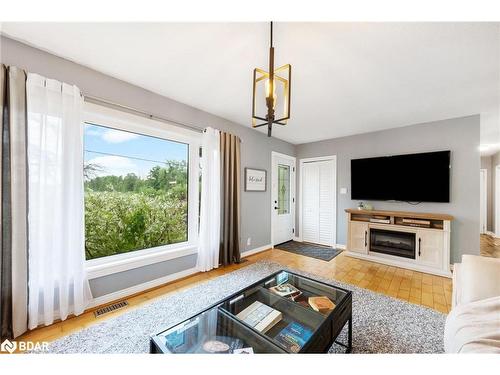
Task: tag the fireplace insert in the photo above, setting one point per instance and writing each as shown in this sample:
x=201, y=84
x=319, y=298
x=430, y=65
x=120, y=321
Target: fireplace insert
x=400, y=244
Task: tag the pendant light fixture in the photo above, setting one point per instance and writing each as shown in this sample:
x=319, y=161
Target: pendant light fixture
x=271, y=88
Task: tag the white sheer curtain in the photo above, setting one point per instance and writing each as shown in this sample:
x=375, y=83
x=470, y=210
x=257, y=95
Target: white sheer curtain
x=57, y=280
x=209, y=238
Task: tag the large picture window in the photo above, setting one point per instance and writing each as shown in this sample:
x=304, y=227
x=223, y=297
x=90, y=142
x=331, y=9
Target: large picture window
x=136, y=191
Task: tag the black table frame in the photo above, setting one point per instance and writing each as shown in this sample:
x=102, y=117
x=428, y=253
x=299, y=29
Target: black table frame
x=318, y=343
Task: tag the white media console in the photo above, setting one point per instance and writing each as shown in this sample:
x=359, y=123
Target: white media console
x=416, y=241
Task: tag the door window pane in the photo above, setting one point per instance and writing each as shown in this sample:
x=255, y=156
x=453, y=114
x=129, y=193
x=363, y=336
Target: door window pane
x=283, y=189
x=136, y=191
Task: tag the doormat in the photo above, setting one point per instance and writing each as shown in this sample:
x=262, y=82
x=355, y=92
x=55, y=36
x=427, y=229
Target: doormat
x=309, y=250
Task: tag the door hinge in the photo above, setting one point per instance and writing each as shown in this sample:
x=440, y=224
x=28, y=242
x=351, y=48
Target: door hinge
x=293, y=200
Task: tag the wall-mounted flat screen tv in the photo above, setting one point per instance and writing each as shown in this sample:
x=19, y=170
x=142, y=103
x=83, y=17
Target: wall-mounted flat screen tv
x=423, y=177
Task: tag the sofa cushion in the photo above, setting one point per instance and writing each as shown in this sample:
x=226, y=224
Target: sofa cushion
x=474, y=327
x=479, y=278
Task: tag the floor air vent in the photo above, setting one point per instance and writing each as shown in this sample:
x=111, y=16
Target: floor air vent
x=110, y=308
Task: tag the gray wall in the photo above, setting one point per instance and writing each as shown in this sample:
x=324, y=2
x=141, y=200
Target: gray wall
x=495, y=161
x=460, y=135
x=486, y=164
x=255, y=149
x=126, y=279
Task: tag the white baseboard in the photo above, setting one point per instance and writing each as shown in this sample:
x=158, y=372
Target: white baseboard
x=256, y=250
x=491, y=234
x=337, y=246
x=140, y=287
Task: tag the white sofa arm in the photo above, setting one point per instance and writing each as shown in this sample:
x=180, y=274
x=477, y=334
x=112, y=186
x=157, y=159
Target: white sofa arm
x=476, y=278
x=456, y=292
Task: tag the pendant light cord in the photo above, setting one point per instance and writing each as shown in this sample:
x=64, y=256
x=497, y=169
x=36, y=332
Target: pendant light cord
x=271, y=33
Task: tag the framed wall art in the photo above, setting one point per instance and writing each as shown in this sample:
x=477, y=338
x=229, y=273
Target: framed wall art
x=255, y=179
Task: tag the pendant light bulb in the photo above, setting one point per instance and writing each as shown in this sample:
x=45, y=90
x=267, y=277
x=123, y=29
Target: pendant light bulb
x=270, y=96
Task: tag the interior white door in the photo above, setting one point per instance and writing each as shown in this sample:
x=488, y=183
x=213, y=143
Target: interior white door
x=310, y=202
x=326, y=203
x=483, y=201
x=318, y=202
x=283, y=199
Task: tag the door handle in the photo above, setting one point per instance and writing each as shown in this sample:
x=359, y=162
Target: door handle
x=419, y=246
x=366, y=234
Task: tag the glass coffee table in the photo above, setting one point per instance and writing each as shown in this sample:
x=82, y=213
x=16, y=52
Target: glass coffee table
x=282, y=313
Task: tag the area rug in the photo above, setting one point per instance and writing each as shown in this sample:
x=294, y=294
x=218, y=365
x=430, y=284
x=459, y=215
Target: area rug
x=309, y=250
x=381, y=324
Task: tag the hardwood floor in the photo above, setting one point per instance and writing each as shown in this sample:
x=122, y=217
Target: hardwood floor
x=412, y=286
x=490, y=246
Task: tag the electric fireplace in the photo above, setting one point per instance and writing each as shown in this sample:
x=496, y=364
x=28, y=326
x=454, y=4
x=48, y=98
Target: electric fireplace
x=389, y=242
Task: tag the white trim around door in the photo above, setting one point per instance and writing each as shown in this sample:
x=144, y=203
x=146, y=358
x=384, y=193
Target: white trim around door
x=302, y=162
x=497, y=201
x=483, y=201
x=275, y=156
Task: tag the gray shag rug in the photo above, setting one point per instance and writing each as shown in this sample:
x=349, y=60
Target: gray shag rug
x=309, y=250
x=381, y=324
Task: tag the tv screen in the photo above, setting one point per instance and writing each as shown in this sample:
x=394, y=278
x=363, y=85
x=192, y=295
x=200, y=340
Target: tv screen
x=421, y=177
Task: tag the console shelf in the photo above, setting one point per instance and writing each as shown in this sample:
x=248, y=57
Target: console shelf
x=431, y=243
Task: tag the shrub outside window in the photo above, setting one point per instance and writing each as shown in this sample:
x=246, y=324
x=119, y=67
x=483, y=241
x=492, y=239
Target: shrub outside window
x=136, y=191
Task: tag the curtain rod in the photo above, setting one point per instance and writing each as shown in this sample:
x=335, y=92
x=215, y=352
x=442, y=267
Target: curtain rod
x=97, y=100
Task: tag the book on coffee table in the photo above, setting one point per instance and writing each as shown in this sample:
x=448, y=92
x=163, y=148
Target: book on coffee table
x=260, y=316
x=285, y=290
x=294, y=336
x=321, y=304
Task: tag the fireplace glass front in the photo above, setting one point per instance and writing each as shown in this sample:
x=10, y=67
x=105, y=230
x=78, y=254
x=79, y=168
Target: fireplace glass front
x=400, y=244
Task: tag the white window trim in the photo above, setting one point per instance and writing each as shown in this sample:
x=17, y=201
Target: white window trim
x=115, y=263
x=111, y=118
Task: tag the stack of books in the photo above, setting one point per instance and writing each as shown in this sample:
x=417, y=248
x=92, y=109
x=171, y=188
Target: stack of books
x=321, y=304
x=380, y=219
x=286, y=290
x=417, y=222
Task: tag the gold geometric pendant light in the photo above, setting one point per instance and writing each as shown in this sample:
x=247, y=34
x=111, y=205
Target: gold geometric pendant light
x=271, y=89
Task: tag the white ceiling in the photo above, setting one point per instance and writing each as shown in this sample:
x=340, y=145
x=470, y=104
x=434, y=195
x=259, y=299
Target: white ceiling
x=348, y=78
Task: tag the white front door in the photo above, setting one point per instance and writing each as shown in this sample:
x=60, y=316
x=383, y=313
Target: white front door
x=282, y=198
x=483, y=201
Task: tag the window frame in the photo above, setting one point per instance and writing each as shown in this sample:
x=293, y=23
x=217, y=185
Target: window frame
x=120, y=120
